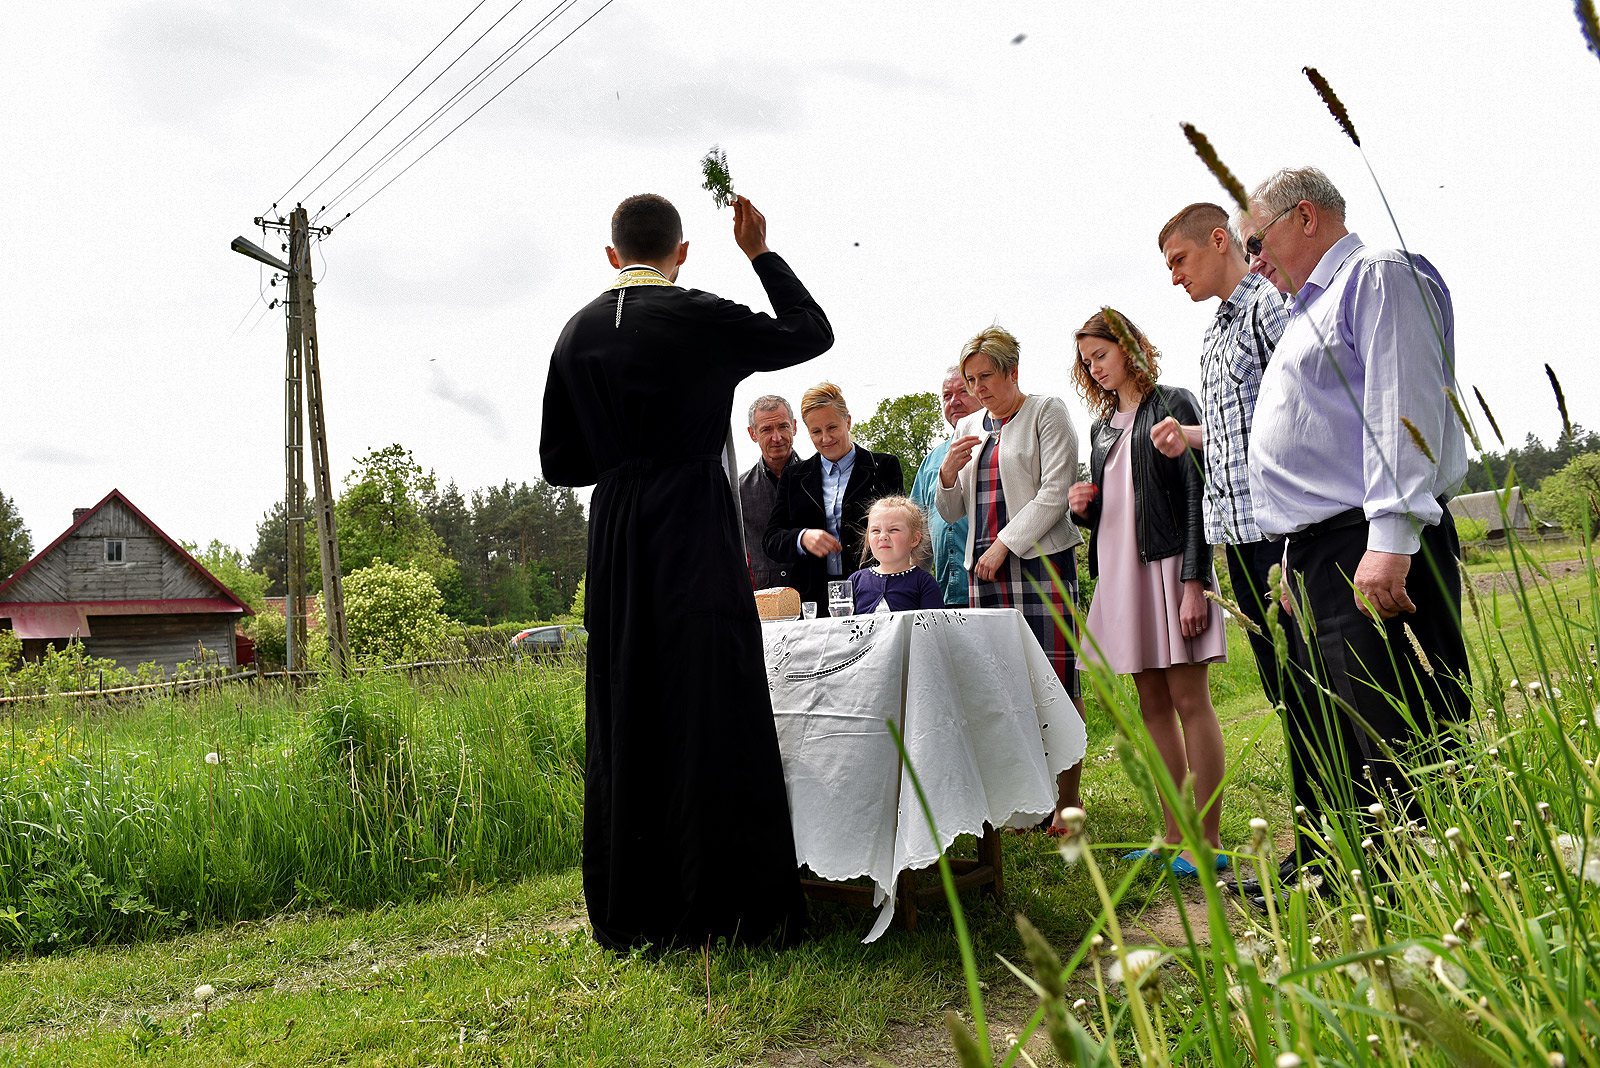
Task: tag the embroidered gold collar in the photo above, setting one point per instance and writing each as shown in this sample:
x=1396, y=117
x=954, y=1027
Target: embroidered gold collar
x=643, y=276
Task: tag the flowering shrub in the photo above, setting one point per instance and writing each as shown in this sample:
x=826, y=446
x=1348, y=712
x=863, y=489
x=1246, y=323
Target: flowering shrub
x=394, y=614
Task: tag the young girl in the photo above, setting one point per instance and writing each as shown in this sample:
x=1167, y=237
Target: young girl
x=897, y=536
x=1150, y=617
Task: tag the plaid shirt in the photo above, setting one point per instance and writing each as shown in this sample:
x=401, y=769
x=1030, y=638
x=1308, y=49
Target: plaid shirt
x=1238, y=344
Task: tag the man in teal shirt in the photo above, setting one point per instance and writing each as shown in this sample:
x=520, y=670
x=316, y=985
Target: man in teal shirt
x=949, y=539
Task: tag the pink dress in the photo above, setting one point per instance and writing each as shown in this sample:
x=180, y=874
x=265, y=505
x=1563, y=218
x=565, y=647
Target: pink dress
x=1133, y=622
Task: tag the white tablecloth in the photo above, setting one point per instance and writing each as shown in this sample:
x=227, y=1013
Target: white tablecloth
x=986, y=722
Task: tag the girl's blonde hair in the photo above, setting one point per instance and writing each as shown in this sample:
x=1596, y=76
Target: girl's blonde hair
x=823, y=395
x=922, y=551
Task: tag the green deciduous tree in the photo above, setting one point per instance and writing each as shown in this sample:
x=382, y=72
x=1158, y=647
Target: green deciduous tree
x=16, y=545
x=394, y=614
x=229, y=567
x=380, y=515
x=907, y=426
x=1571, y=494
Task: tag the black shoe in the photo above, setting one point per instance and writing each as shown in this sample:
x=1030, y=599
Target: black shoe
x=1259, y=901
x=1288, y=875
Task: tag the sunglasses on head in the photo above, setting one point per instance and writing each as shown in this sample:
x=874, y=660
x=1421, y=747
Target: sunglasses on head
x=1253, y=244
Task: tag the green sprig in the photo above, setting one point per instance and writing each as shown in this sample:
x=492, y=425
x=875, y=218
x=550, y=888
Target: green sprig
x=718, y=180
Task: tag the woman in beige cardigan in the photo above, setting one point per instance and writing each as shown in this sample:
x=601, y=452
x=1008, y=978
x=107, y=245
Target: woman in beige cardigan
x=1007, y=473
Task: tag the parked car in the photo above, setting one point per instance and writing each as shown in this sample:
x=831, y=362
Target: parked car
x=546, y=641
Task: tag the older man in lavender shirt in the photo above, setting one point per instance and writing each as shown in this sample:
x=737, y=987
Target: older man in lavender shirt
x=1337, y=471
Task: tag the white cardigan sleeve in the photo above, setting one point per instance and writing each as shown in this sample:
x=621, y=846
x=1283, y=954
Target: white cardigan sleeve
x=1058, y=469
x=956, y=503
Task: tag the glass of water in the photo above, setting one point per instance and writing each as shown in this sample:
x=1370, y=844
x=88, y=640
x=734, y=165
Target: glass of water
x=808, y=610
x=841, y=598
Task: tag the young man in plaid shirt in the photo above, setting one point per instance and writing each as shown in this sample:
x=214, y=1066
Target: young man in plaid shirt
x=1205, y=257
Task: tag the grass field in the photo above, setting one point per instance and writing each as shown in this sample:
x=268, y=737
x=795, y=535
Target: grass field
x=398, y=887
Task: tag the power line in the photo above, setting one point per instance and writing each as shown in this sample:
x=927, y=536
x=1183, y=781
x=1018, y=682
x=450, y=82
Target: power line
x=462, y=55
x=561, y=8
x=285, y=196
x=479, y=108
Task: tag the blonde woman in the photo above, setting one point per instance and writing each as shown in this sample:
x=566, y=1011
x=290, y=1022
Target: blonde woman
x=1007, y=473
x=819, y=518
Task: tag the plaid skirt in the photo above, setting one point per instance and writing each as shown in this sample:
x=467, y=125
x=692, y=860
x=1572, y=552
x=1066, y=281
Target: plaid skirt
x=1016, y=591
x=1015, y=588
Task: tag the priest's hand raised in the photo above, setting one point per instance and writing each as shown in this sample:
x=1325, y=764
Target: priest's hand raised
x=749, y=228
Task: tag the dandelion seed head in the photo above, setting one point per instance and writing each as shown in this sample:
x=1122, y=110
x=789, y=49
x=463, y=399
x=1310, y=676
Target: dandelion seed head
x=1289, y=1060
x=1134, y=966
x=1557, y=1060
x=213, y=758
x=204, y=992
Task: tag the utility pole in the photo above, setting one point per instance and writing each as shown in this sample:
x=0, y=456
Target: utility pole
x=303, y=304
x=302, y=390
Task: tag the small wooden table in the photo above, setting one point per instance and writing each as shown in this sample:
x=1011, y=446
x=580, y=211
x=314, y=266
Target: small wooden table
x=985, y=872
x=985, y=722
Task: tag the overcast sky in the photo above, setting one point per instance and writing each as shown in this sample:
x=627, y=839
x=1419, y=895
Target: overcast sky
x=924, y=175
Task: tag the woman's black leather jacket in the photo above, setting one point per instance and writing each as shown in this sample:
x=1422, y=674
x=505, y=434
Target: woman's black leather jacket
x=1167, y=493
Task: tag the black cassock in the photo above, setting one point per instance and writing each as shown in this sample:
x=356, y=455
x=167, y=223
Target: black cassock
x=686, y=829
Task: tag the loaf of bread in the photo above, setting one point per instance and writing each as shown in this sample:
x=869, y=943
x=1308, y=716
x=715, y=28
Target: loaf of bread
x=780, y=602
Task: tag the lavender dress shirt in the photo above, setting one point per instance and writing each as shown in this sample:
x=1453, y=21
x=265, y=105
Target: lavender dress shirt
x=1369, y=341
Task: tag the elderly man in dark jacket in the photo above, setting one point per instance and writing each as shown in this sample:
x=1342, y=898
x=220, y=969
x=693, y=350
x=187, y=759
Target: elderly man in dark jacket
x=772, y=426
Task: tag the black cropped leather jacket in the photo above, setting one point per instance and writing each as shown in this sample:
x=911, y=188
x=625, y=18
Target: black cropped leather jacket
x=1167, y=493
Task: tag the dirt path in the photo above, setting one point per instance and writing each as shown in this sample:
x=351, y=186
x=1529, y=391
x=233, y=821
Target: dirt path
x=1505, y=581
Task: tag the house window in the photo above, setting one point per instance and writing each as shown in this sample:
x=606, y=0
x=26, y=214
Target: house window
x=113, y=550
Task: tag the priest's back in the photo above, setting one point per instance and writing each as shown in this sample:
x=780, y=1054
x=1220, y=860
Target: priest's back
x=686, y=822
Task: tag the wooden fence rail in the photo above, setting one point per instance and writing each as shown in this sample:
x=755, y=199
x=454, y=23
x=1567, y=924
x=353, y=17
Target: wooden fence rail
x=175, y=685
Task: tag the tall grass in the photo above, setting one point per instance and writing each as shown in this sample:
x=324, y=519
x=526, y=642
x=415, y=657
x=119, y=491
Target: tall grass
x=235, y=802
x=1454, y=921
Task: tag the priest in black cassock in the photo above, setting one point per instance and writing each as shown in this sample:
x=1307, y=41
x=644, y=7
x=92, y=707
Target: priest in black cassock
x=686, y=833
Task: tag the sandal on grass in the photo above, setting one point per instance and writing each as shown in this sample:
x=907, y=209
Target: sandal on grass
x=1184, y=869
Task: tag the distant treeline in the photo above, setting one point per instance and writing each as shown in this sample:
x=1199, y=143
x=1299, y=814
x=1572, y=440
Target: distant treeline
x=514, y=552
x=1533, y=461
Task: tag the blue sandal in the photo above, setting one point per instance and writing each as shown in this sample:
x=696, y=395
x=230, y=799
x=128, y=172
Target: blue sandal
x=1185, y=870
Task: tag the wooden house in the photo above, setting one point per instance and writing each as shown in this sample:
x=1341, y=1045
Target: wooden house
x=115, y=581
x=1485, y=508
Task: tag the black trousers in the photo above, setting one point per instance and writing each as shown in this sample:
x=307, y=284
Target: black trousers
x=1285, y=683
x=1407, y=705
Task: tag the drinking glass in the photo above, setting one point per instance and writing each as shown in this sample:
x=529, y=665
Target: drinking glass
x=841, y=598
x=808, y=610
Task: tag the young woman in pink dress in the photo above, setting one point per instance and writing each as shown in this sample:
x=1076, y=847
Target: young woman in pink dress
x=1149, y=617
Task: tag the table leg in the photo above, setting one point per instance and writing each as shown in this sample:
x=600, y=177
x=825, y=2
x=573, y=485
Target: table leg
x=989, y=853
x=906, y=899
